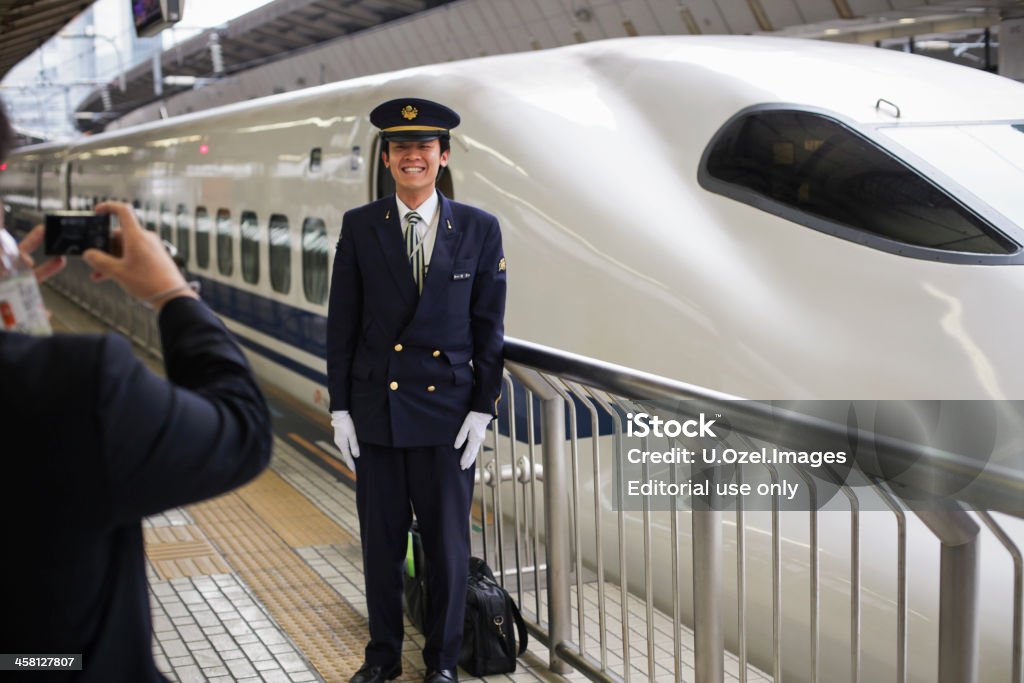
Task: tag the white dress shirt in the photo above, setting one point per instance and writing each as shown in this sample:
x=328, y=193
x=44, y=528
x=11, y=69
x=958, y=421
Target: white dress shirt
x=427, y=227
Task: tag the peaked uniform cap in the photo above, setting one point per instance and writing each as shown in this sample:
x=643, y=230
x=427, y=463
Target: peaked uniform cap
x=413, y=119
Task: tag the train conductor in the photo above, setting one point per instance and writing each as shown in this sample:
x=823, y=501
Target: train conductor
x=414, y=368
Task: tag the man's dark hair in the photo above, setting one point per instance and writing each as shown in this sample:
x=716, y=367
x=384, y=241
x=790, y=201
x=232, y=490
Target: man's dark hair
x=6, y=133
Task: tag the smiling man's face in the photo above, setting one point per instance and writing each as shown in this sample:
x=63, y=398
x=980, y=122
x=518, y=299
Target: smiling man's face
x=414, y=165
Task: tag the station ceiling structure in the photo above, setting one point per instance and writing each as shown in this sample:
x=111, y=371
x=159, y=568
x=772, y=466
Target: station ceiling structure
x=26, y=24
x=271, y=32
x=291, y=31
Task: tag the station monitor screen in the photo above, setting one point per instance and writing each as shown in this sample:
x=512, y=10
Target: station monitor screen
x=153, y=16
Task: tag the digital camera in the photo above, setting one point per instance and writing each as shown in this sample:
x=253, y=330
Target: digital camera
x=69, y=233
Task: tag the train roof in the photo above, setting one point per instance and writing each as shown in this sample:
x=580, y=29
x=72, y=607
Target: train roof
x=709, y=78
x=844, y=78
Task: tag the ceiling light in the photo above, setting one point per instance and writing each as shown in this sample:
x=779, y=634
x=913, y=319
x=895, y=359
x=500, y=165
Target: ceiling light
x=832, y=32
x=907, y=20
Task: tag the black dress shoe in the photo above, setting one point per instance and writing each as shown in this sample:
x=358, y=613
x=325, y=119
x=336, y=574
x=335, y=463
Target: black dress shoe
x=441, y=676
x=374, y=673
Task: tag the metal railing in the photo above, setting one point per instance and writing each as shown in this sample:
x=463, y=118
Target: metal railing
x=605, y=589
x=646, y=594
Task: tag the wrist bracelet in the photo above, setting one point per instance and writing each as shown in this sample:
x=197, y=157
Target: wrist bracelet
x=150, y=302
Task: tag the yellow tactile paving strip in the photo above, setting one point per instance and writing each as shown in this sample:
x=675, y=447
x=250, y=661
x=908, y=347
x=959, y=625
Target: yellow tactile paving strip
x=255, y=529
x=178, y=551
x=297, y=521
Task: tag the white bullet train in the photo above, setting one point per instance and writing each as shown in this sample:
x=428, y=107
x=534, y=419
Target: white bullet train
x=770, y=218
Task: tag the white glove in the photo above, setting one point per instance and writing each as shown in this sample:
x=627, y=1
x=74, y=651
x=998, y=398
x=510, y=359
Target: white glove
x=345, y=437
x=472, y=434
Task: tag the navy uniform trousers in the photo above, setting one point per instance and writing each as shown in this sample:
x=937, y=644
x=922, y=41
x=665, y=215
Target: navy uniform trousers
x=409, y=367
x=441, y=495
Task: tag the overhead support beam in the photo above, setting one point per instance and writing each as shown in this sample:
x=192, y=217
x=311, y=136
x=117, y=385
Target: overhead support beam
x=321, y=22
x=843, y=9
x=26, y=24
x=359, y=14
x=406, y=6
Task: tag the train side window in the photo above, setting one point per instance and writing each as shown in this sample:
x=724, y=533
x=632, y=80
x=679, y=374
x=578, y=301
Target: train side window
x=202, y=237
x=183, y=229
x=250, y=248
x=165, y=223
x=314, y=260
x=315, y=158
x=225, y=243
x=147, y=215
x=817, y=171
x=280, y=240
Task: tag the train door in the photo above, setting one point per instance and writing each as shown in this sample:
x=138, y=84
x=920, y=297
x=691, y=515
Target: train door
x=384, y=184
x=38, y=173
x=67, y=185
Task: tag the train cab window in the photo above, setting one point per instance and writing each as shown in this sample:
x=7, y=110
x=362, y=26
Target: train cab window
x=315, y=158
x=280, y=241
x=314, y=260
x=165, y=223
x=202, y=237
x=819, y=172
x=225, y=243
x=148, y=217
x=250, y=248
x=183, y=229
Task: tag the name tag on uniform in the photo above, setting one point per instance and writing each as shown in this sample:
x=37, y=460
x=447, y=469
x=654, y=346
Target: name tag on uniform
x=463, y=275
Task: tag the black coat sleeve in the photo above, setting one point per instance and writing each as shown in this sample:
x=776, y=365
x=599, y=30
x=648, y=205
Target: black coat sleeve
x=344, y=311
x=487, y=321
x=202, y=431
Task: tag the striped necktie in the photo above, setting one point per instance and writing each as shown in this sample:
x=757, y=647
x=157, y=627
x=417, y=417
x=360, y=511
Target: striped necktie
x=414, y=248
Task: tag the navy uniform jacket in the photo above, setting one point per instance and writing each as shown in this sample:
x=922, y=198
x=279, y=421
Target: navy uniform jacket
x=92, y=443
x=400, y=362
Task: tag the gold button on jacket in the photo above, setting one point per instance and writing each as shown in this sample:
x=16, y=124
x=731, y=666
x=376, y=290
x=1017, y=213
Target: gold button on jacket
x=431, y=388
x=394, y=386
x=398, y=347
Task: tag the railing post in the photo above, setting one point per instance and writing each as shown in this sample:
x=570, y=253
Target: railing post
x=556, y=511
x=958, y=593
x=556, y=522
x=708, y=637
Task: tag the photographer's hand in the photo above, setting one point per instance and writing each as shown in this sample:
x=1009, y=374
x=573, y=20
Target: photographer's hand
x=144, y=269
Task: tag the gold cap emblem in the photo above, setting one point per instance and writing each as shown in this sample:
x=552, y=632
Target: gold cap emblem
x=501, y=265
x=410, y=112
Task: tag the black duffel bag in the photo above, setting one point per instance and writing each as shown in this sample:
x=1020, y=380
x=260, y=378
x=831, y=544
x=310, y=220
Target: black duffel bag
x=488, y=638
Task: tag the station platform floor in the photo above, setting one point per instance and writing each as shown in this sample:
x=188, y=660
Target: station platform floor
x=265, y=583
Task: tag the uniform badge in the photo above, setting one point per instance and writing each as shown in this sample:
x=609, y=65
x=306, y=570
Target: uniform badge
x=501, y=265
x=410, y=112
